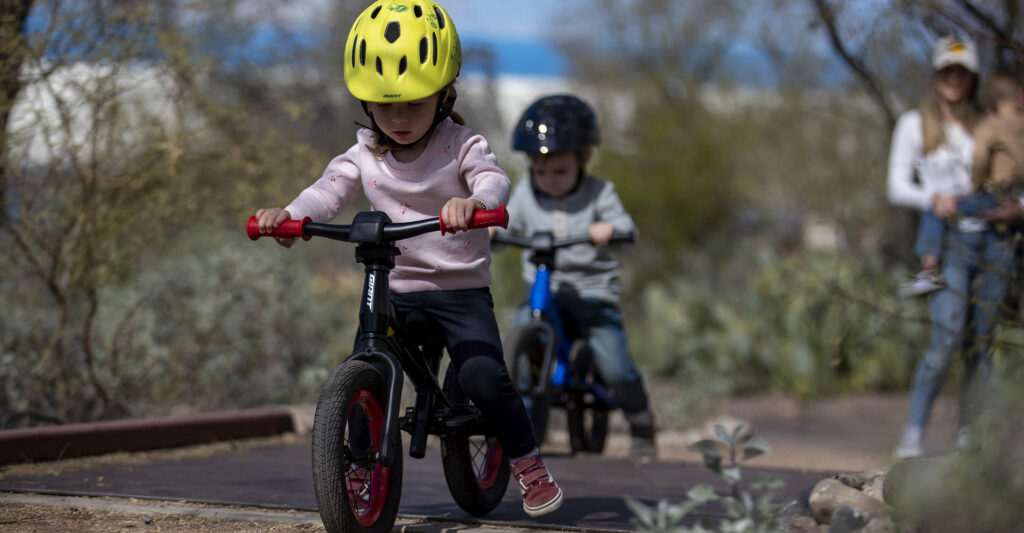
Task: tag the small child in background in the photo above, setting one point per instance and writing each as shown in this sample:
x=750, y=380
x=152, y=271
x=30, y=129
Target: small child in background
x=558, y=134
x=998, y=163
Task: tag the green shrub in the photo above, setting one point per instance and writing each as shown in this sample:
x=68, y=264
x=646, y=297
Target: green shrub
x=215, y=322
x=809, y=324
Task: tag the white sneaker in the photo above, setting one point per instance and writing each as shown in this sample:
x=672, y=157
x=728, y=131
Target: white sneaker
x=910, y=445
x=924, y=282
x=963, y=438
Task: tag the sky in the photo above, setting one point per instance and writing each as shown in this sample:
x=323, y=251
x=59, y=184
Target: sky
x=517, y=31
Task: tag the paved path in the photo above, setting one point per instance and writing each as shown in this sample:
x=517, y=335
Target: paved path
x=278, y=476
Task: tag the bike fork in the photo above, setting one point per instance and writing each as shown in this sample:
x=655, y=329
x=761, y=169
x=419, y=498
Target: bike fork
x=394, y=380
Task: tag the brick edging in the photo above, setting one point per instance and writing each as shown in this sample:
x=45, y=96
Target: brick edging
x=77, y=440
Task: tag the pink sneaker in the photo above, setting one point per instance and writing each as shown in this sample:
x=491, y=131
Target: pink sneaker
x=541, y=495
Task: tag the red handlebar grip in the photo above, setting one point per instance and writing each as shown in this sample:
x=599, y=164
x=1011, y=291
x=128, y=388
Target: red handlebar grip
x=484, y=218
x=289, y=228
x=490, y=217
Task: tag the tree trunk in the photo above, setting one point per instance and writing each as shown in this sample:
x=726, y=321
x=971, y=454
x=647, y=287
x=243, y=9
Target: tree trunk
x=13, y=16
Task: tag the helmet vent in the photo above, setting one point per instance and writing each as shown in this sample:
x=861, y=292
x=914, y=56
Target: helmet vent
x=355, y=41
x=417, y=10
x=423, y=50
x=440, y=18
x=362, y=52
x=433, y=36
x=393, y=32
x=401, y=66
x=380, y=67
x=375, y=12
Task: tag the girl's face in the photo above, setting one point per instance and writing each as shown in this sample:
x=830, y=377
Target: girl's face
x=405, y=122
x=954, y=83
x=555, y=174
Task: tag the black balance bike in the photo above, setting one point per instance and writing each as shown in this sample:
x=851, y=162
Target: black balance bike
x=550, y=364
x=357, y=450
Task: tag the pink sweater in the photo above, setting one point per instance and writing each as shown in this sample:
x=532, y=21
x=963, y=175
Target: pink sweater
x=456, y=163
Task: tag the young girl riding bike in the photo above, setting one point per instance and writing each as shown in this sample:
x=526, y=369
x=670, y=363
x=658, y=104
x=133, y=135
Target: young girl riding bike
x=416, y=160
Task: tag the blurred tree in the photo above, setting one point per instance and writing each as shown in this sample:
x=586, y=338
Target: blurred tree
x=13, y=16
x=724, y=123
x=135, y=123
x=865, y=41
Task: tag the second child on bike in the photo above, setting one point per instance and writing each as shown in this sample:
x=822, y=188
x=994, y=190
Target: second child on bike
x=416, y=160
x=558, y=133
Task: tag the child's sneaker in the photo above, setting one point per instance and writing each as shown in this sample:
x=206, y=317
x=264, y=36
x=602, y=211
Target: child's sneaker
x=910, y=444
x=924, y=282
x=963, y=438
x=541, y=495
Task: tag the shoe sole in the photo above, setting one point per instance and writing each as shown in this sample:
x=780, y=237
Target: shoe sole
x=899, y=455
x=549, y=507
x=917, y=292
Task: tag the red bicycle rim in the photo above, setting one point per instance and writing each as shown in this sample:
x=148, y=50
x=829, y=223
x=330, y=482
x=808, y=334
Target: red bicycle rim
x=367, y=509
x=488, y=471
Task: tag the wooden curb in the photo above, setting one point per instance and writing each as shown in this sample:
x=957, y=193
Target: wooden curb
x=78, y=440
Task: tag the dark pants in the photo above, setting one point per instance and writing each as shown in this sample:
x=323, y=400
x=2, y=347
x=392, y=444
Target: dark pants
x=464, y=320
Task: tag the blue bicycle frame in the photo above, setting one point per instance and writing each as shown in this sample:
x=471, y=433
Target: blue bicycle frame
x=544, y=312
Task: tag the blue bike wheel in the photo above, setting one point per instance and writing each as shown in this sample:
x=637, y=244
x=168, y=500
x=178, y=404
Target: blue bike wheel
x=587, y=415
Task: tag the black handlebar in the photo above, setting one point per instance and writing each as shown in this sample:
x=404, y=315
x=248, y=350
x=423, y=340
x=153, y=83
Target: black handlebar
x=374, y=227
x=547, y=241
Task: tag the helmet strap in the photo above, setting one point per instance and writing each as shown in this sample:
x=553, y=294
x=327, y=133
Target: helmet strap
x=444, y=110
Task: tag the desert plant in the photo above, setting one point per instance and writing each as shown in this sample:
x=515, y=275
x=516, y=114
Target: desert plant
x=745, y=511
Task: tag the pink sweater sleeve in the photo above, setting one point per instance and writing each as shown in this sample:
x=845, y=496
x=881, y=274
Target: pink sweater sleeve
x=479, y=167
x=329, y=195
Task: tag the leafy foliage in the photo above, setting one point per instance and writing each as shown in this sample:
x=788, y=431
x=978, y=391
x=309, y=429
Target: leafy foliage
x=746, y=513
x=218, y=322
x=813, y=323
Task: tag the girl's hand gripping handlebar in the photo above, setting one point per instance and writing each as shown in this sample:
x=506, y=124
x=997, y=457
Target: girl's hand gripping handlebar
x=288, y=228
x=484, y=218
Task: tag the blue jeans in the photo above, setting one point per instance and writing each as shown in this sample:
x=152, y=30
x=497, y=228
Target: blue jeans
x=600, y=323
x=976, y=267
x=932, y=228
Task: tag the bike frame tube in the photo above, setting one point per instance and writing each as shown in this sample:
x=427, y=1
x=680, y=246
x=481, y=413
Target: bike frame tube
x=381, y=342
x=542, y=305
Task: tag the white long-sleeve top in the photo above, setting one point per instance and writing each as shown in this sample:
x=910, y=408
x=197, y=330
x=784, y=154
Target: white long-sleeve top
x=946, y=170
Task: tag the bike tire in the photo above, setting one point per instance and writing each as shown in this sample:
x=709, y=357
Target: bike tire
x=525, y=347
x=475, y=466
x=354, y=494
x=587, y=421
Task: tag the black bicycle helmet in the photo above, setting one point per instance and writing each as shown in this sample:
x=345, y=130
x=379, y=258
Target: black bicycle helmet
x=558, y=123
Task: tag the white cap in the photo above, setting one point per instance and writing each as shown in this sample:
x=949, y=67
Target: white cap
x=951, y=50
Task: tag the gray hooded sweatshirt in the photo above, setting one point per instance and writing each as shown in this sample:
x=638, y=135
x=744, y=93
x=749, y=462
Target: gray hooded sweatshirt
x=593, y=272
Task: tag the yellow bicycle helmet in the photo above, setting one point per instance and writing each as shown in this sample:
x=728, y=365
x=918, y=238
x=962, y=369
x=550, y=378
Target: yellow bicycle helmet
x=400, y=51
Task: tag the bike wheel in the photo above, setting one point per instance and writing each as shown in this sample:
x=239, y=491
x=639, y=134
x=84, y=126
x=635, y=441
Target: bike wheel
x=525, y=347
x=587, y=417
x=475, y=466
x=354, y=491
